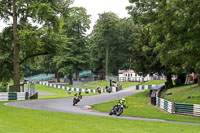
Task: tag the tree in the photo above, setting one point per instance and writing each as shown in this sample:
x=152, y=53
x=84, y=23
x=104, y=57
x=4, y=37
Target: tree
x=146, y=59
x=123, y=51
x=74, y=56
x=22, y=13
x=173, y=30
x=179, y=28
x=104, y=36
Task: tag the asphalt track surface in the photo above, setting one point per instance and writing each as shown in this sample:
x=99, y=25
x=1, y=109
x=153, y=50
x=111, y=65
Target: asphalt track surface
x=65, y=105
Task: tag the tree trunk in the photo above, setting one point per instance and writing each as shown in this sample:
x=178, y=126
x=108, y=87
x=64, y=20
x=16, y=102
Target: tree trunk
x=77, y=75
x=169, y=81
x=16, y=47
x=198, y=79
x=70, y=78
x=57, y=76
x=107, y=49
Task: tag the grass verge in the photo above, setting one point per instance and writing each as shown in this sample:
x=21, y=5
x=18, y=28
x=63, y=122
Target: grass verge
x=151, y=82
x=181, y=94
x=138, y=107
x=58, y=93
x=102, y=84
x=17, y=120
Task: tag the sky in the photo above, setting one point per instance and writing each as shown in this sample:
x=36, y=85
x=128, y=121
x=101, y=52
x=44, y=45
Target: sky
x=95, y=7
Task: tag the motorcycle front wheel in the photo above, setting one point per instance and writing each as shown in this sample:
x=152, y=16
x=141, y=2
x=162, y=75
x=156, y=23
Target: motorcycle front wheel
x=74, y=102
x=111, y=112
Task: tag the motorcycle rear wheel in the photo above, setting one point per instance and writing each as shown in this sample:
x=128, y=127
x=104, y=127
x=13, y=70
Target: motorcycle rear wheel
x=119, y=112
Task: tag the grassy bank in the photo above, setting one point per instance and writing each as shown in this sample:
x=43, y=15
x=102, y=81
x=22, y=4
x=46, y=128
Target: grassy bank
x=151, y=82
x=139, y=107
x=17, y=120
x=58, y=93
x=102, y=84
x=181, y=94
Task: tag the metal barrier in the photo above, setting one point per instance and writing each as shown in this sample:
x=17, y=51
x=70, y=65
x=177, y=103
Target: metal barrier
x=178, y=108
x=165, y=105
x=187, y=109
x=72, y=89
x=7, y=96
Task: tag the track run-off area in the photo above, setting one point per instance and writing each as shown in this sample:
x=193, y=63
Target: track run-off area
x=65, y=105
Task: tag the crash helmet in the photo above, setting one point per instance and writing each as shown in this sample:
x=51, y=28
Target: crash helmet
x=123, y=99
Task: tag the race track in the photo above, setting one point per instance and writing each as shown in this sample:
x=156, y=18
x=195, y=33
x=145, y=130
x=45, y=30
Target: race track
x=65, y=105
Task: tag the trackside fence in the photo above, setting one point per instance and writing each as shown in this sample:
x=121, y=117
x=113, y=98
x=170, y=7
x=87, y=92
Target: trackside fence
x=72, y=89
x=7, y=96
x=165, y=105
x=178, y=108
x=146, y=87
x=137, y=87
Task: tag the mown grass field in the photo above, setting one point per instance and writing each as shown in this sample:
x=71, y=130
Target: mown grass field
x=59, y=93
x=17, y=120
x=181, y=94
x=138, y=107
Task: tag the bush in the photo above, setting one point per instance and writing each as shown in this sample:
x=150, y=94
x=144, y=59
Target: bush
x=3, y=87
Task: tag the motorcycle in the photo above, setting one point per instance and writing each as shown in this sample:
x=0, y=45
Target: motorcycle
x=99, y=90
x=76, y=100
x=86, y=91
x=69, y=91
x=108, y=90
x=117, y=110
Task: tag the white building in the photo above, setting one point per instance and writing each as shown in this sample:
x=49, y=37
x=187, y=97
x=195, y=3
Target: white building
x=130, y=75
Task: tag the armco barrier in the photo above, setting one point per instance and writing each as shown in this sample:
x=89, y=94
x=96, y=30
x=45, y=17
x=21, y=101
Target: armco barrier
x=165, y=105
x=137, y=87
x=196, y=110
x=187, y=109
x=178, y=108
x=72, y=89
x=146, y=87
x=6, y=96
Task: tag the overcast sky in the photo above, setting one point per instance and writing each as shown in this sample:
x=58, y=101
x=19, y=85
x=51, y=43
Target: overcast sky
x=94, y=7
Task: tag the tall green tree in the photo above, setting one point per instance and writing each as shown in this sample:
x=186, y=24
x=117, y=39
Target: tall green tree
x=173, y=30
x=180, y=43
x=123, y=51
x=146, y=59
x=74, y=56
x=23, y=13
x=104, y=36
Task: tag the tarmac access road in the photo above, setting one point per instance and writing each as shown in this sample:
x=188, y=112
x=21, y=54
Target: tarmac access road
x=65, y=105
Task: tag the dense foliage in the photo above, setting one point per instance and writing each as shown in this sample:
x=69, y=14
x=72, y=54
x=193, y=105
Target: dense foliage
x=111, y=42
x=160, y=37
x=167, y=35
